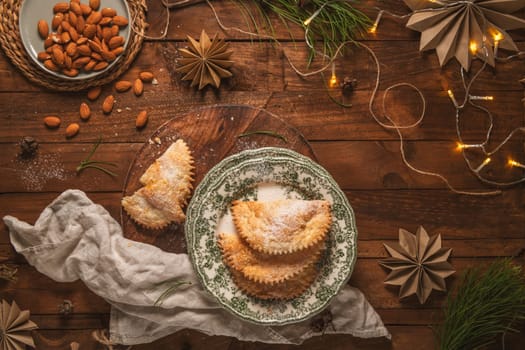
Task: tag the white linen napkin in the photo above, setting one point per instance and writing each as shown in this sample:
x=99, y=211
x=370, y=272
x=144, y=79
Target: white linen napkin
x=76, y=239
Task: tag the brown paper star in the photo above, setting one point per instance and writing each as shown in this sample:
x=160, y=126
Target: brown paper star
x=15, y=327
x=451, y=27
x=418, y=264
x=206, y=61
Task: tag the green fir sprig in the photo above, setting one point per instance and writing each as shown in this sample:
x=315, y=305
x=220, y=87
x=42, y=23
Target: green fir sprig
x=336, y=22
x=172, y=285
x=486, y=305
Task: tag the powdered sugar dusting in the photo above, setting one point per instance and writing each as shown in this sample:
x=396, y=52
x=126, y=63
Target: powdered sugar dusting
x=35, y=173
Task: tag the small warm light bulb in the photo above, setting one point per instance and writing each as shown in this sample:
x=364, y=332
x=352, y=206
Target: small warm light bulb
x=311, y=18
x=497, y=38
x=452, y=98
x=473, y=47
x=482, y=165
x=373, y=28
x=513, y=164
x=461, y=146
x=333, y=78
x=483, y=98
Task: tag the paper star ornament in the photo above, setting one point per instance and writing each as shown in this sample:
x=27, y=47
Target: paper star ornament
x=418, y=264
x=15, y=327
x=451, y=27
x=205, y=61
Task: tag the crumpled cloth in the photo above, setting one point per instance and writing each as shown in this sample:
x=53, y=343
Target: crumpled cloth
x=76, y=239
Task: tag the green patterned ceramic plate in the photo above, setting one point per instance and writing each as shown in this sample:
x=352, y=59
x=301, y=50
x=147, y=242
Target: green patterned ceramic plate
x=268, y=174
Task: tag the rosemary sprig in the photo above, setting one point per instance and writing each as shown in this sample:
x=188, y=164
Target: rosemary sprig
x=95, y=164
x=486, y=305
x=263, y=132
x=172, y=286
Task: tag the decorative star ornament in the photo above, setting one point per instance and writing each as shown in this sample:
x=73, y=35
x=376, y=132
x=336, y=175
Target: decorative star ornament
x=418, y=264
x=205, y=61
x=465, y=29
x=15, y=327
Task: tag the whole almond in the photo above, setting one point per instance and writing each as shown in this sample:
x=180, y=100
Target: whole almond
x=84, y=111
x=118, y=50
x=52, y=121
x=65, y=25
x=72, y=129
x=108, y=12
x=138, y=87
x=146, y=77
x=89, y=31
x=80, y=62
x=107, y=34
x=48, y=42
x=121, y=21
x=43, y=28
x=94, y=93
x=42, y=56
x=94, y=17
x=100, y=66
x=73, y=34
x=57, y=20
x=107, y=105
x=70, y=72
x=96, y=56
x=94, y=46
x=84, y=50
x=58, y=56
x=108, y=55
x=105, y=21
x=122, y=85
x=65, y=37
x=94, y=4
x=81, y=24
x=75, y=7
x=68, y=62
x=114, y=30
x=71, y=49
x=82, y=40
x=61, y=7
x=142, y=119
x=73, y=18
x=116, y=41
x=50, y=65
x=86, y=9
x=90, y=65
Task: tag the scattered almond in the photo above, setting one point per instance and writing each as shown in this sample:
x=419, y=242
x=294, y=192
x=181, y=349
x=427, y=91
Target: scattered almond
x=108, y=103
x=142, y=119
x=85, y=111
x=72, y=129
x=43, y=29
x=122, y=85
x=94, y=93
x=138, y=87
x=146, y=77
x=52, y=121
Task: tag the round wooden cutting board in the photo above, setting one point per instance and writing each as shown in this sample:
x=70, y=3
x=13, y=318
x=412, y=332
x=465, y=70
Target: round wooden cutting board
x=212, y=133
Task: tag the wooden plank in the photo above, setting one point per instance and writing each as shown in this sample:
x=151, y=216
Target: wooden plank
x=259, y=66
x=368, y=276
x=312, y=113
x=356, y=165
x=379, y=215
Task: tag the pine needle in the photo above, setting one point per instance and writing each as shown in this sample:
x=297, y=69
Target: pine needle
x=96, y=164
x=486, y=305
x=172, y=286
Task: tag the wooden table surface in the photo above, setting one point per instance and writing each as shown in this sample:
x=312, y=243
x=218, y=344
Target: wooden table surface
x=363, y=157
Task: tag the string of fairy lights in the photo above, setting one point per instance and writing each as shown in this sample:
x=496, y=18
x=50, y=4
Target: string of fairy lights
x=478, y=50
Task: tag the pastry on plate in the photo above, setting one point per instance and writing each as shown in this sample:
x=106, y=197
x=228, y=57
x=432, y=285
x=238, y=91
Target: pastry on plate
x=282, y=226
x=265, y=268
x=167, y=187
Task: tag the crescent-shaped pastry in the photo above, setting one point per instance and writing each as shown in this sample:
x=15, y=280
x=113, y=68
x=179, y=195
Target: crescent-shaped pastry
x=282, y=226
x=265, y=268
x=167, y=187
x=285, y=290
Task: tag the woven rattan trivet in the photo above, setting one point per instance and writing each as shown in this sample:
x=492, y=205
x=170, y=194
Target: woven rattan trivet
x=14, y=49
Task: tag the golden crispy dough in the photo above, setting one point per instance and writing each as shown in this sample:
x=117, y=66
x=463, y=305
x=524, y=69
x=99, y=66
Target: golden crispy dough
x=265, y=268
x=167, y=187
x=282, y=226
x=288, y=289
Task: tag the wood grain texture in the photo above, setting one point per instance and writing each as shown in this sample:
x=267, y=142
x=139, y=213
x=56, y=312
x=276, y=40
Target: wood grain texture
x=363, y=158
